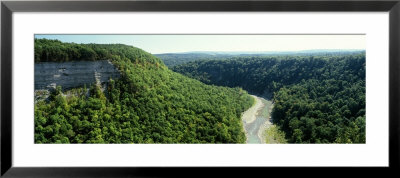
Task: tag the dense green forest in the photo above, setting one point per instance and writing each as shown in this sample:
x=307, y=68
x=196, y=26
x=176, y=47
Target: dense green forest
x=318, y=99
x=173, y=59
x=148, y=104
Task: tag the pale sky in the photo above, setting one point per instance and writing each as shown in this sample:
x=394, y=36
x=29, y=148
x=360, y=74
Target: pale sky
x=157, y=44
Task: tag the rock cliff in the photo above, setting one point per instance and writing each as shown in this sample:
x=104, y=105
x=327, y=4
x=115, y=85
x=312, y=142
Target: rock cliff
x=68, y=75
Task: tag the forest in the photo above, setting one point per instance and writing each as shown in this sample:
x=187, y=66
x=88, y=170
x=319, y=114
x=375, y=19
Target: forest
x=173, y=59
x=317, y=99
x=148, y=104
x=199, y=98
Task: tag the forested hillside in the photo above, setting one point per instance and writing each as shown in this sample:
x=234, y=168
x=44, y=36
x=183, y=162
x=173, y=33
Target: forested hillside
x=318, y=99
x=148, y=104
x=173, y=59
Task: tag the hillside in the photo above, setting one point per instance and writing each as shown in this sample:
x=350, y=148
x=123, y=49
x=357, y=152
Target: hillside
x=148, y=103
x=317, y=99
x=173, y=59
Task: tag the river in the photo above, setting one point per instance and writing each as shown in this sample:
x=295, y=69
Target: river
x=256, y=120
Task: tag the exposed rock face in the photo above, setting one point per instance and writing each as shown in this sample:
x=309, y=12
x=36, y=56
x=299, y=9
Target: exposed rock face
x=68, y=75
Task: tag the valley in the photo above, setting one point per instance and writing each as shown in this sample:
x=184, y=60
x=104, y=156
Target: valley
x=317, y=98
x=115, y=93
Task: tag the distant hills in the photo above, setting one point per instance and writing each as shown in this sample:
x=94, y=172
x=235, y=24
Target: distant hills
x=271, y=52
x=172, y=59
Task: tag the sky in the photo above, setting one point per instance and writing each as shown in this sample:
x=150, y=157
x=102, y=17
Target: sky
x=157, y=44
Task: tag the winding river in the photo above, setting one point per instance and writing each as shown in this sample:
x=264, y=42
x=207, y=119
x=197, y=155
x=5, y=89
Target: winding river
x=256, y=120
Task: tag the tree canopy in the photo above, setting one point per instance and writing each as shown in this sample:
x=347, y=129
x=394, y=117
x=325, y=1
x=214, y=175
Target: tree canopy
x=148, y=104
x=318, y=99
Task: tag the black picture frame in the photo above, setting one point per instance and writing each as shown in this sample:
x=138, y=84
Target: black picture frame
x=8, y=7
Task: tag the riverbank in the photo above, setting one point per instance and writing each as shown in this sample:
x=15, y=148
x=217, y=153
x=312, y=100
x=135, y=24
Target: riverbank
x=257, y=123
x=254, y=120
x=249, y=116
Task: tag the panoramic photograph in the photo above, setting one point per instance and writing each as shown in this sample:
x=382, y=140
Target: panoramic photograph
x=199, y=89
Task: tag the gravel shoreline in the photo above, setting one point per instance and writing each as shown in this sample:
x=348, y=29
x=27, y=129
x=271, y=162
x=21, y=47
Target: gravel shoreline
x=249, y=116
